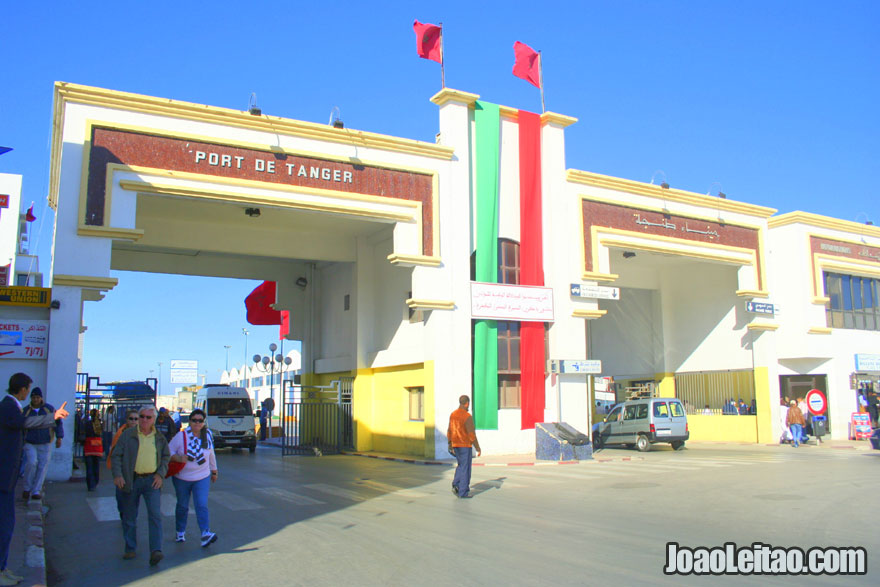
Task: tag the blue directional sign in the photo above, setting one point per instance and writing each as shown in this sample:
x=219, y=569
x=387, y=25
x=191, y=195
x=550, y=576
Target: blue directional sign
x=760, y=308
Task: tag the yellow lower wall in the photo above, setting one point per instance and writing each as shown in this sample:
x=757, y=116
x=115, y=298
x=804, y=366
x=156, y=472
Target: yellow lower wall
x=381, y=410
x=665, y=384
x=762, y=401
x=723, y=428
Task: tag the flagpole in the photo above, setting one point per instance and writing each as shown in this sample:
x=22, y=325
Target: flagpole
x=541, y=79
x=442, y=58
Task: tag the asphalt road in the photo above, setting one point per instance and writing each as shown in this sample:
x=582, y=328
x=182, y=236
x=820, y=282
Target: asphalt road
x=345, y=520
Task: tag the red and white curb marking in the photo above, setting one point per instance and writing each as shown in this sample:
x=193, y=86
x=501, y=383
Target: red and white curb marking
x=514, y=464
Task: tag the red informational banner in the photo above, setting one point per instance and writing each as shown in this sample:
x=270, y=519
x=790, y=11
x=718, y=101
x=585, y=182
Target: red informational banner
x=860, y=426
x=4, y=275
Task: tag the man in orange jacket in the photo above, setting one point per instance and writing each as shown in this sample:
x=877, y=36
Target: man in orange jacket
x=462, y=436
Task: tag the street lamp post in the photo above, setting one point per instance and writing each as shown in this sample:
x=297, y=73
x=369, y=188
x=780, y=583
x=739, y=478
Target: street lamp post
x=267, y=364
x=245, y=332
x=227, y=347
x=159, y=383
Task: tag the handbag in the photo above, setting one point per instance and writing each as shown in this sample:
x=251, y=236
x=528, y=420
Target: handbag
x=94, y=447
x=175, y=467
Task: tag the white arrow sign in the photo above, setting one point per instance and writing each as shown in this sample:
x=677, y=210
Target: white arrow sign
x=579, y=290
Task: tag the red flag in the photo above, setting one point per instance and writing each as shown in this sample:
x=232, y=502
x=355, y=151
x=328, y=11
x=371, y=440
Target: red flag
x=429, y=44
x=258, y=305
x=284, y=330
x=527, y=64
x=30, y=214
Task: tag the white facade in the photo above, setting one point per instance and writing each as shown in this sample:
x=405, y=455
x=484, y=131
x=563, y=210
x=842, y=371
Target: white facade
x=10, y=186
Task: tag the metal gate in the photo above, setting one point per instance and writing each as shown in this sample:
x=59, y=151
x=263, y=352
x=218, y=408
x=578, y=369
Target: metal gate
x=317, y=420
x=92, y=394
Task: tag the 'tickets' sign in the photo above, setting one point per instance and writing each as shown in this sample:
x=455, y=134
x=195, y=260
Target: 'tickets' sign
x=24, y=339
x=521, y=303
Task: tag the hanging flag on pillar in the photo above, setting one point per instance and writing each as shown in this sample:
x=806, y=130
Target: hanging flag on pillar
x=284, y=330
x=30, y=214
x=487, y=121
x=258, y=304
x=429, y=45
x=531, y=254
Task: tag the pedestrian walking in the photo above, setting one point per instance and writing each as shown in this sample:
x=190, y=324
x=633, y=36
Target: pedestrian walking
x=166, y=424
x=194, y=446
x=12, y=425
x=462, y=438
x=783, y=421
x=37, y=446
x=111, y=427
x=795, y=421
x=131, y=421
x=140, y=461
x=93, y=448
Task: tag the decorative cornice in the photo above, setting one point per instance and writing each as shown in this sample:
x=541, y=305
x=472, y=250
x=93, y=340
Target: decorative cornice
x=414, y=260
x=75, y=93
x=667, y=194
x=90, y=281
x=110, y=232
x=762, y=326
x=430, y=304
x=449, y=95
x=557, y=119
x=819, y=330
x=588, y=314
x=752, y=293
x=595, y=276
x=799, y=217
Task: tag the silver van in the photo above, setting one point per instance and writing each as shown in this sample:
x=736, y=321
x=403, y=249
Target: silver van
x=643, y=422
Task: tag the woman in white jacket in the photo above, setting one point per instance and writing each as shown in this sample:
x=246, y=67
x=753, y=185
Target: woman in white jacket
x=195, y=447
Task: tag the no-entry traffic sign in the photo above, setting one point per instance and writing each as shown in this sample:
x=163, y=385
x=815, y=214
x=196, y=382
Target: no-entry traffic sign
x=816, y=402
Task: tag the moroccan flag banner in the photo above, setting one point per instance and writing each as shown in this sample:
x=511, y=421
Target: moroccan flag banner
x=284, y=329
x=531, y=254
x=258, y=304
x=30, y=214
x=487, y=121
x=429, y=44
x=527, y=64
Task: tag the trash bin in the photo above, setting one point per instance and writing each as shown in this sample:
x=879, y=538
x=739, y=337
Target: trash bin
x=820, y=426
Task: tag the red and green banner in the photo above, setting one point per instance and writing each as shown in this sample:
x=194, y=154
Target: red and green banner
x=531, y=254
x=487, y=121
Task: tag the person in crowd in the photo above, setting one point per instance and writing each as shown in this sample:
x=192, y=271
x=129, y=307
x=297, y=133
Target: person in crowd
x=13, y=423
x=707, y=411
x=730, y=408
x=131, y=420
x=93, y=449
x=783, y=420
x=795, y=421
x=802, y=406
x=873, y=407
x=462, y=435
x=165, y=425
x=742, y=409
x=111, y=426
x=264, y=413
x=140, y=461
x=194, y=446
x=37, y=446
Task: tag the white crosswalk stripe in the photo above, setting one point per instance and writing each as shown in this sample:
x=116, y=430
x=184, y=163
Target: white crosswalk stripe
x=391, y=489
x=336, y=491
x=233, y=501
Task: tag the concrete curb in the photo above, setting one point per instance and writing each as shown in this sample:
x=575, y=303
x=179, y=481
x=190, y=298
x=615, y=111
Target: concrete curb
x=28, y=543
x=516, y=460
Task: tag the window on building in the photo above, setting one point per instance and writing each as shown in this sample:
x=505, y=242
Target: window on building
x=853, y=302
x=416, y=403
x=509, y=371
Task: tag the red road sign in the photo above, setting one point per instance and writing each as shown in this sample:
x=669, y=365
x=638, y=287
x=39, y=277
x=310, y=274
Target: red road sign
x=816, y=402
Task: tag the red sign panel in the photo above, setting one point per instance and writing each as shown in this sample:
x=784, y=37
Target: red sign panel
x=860, y=426
x=4, y=200
x=4, y=275
x=816, y=402
x=215, y=159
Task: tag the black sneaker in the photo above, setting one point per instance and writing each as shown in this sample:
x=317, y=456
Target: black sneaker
x=455, y=490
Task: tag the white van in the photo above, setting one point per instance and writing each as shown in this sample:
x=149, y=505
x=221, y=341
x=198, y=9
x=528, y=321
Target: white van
x=230, y=416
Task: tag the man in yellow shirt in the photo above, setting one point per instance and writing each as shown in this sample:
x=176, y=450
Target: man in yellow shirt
x=462, y=436
x=140, y=461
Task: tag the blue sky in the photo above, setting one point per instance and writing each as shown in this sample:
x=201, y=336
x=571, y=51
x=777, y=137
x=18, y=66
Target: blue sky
x=774, y=103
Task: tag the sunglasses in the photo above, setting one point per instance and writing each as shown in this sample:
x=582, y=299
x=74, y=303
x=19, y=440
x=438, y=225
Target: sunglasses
x=197, y=421
x=145, y=417
x=133, y=419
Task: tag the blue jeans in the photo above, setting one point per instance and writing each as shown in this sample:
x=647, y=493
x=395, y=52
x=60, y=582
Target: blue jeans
x=796, y=434
x=93, y=471
x=36, y=467
x=462, y=479
x=142, y=487
x=199, y=490
x=7, y=524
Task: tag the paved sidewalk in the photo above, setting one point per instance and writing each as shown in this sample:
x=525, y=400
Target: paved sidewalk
x=26, y=555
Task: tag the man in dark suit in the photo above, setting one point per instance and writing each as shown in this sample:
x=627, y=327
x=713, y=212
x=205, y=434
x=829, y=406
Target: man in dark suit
x=13, y=424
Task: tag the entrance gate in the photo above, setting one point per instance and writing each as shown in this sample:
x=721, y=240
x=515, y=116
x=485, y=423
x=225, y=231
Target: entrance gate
x=317, y=419
x=92, y=394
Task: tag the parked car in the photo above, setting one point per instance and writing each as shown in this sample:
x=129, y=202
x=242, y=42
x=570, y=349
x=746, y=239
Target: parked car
x=643, y=422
